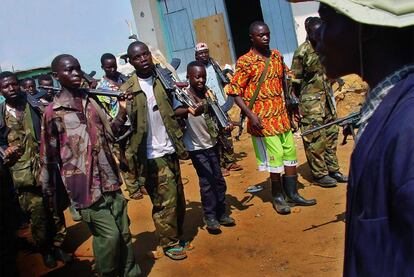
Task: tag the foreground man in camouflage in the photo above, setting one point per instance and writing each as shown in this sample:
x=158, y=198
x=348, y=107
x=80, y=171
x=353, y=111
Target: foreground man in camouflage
x=375, y=39
x=317, y=107
x=153, y=151
x=75, y=144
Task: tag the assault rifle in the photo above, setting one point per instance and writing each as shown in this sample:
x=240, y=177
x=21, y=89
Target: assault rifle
x=222, y=74
x=170, y=85
x=348, y=122
x=104, y=92
x=291, y=101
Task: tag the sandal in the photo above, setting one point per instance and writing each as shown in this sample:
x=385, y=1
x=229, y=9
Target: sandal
x=186, y=245
x=136, y=195
x=234, y=167
x=253, y=189
x=175, y=252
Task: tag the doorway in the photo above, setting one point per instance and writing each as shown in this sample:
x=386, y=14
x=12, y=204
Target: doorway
x=241, y=13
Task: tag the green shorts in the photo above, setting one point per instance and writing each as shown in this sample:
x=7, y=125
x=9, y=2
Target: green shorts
x=273, y=153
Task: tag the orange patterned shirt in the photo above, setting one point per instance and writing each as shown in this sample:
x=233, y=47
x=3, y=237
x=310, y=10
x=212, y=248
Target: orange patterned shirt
x=269, y=104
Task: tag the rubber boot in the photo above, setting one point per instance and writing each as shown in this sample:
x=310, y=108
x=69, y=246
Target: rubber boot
x=290, y=187
x=278, y=201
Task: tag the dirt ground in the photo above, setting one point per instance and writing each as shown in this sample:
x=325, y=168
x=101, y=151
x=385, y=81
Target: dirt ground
x=308, y=242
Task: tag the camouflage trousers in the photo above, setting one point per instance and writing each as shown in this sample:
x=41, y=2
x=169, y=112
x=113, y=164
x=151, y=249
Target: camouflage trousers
x=320, y=148
x=226, y=153
x=166, y=191
x=47, y=228
x=108, y=222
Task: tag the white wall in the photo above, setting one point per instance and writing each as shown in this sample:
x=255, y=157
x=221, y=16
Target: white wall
x=300, y=12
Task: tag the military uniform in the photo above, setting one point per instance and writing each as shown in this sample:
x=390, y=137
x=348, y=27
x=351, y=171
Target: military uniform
x=317, y=107
x=161, y=176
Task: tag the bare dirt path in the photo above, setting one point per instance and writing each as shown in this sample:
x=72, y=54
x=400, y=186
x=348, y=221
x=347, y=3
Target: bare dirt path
x=308, y=242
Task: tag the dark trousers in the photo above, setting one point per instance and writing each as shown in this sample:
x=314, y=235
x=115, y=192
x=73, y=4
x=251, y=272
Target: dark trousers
x=212, y=184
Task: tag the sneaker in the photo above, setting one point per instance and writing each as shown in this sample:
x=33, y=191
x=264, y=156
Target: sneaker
x=339, y=177
x=212, y=224
x=225, y=172
x=326, y=182
x=226, y=220
x=175, y=252
x=234, y=167
x=187, y=245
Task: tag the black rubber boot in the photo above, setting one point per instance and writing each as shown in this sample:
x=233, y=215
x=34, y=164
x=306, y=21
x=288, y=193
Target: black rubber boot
x=290, y=187
x=278, y=201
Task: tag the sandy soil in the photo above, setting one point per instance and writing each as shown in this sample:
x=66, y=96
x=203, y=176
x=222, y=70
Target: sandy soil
x=308, y=242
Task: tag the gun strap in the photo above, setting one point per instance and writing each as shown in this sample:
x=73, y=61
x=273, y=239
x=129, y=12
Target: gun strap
x=259, y=84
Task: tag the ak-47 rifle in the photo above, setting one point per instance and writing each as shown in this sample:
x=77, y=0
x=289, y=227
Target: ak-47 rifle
x=291, y=101
x=348, y=122
x=170, y=85
x=222, y=74
x=104, y=92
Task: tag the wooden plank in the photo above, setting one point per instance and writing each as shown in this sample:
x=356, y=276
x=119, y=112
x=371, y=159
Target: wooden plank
x=211, y=30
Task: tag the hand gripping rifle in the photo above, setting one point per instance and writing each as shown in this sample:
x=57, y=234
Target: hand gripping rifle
x=348, y=122
x=170, y=85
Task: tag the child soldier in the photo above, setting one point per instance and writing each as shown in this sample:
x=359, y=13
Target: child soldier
x=46, y=80
x=75, y=144
x=20, y=127
x=153, y=151
x=200, y=139
x=28, y=85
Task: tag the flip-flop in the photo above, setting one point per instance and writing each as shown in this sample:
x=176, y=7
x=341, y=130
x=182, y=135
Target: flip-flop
x=253, y=189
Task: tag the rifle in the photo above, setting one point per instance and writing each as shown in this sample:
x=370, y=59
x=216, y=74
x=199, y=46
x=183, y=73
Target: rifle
x=2, y=153
x=241, y=125
x=104, y=92
x=170, y=85
x=348, y=122
x=291, y=101
x=221, y=73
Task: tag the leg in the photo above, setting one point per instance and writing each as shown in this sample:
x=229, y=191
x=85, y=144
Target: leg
x=106, y=237
x=289, y=181
x=163, y=189
x=220, y=186
x=206, y=178
x=330, y=154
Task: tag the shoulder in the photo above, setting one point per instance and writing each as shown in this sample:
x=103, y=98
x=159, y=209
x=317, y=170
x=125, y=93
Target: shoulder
x=131, y=85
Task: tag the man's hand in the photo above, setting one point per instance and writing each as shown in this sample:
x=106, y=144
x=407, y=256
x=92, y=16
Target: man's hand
x=197, y=111
x=12, y=155
x=256, y=122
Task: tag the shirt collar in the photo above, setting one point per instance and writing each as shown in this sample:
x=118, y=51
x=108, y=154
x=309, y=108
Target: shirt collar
x=66, y=99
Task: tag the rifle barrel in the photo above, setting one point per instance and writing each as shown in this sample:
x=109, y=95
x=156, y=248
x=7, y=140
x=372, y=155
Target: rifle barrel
x=337, y=121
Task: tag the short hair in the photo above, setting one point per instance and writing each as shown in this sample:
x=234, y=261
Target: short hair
x=107, y=56
x=6, y=74
x=44, y=77
x=194, y=64
x=134, y=44
x=57, y=59
x=256, y=24
x=27, y=79
x=311, y=22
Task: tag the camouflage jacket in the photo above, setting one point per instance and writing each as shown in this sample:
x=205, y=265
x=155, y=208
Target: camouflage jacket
x=24, y=130
x=316, y=96
x=136, y=151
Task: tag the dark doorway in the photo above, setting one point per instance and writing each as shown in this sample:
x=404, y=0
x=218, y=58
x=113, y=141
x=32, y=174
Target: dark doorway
x=241, y=13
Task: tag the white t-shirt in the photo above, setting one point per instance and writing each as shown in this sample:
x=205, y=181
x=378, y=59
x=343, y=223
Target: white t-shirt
x=196, y=136
x=158, y=141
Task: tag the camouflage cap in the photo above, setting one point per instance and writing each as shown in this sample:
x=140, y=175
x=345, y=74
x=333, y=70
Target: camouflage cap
x=391, y=13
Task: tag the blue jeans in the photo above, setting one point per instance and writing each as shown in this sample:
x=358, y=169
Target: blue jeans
x=212, y=184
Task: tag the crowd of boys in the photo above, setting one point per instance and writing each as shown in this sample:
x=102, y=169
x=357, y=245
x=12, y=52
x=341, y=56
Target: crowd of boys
x=63, y=150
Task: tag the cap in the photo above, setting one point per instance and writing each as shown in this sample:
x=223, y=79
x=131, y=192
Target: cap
x=391, y=13
x=201, y=46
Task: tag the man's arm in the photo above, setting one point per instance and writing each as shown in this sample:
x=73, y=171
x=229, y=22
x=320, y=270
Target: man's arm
x=255, y=120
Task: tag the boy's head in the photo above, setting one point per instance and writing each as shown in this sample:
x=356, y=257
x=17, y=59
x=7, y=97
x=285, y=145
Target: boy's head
x=140, y=58
x=259, y=35
x=28, y=85
x=196, y=75
x=47, y=80
x=9, y=86
x=67, y=70
x=108, y=64
x=202, y=53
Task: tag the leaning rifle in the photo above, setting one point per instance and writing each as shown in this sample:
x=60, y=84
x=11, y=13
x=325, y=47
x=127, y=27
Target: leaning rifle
x=348, y=122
